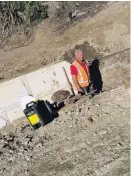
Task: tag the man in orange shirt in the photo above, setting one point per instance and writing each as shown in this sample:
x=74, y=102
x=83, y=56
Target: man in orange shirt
x=80, y=73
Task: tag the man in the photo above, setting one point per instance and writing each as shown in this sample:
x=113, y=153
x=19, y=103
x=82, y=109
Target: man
x=80, y=73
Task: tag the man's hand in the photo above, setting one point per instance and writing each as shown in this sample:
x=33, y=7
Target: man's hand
x=89, y=81
x=80, y=90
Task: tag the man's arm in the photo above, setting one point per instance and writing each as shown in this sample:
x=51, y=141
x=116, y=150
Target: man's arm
x=74, y=78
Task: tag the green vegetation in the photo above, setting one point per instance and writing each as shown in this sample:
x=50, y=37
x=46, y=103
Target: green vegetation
x=16, y=16
x=17, y=12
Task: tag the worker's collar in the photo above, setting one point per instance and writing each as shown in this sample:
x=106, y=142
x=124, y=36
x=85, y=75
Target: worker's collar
x=80, y=62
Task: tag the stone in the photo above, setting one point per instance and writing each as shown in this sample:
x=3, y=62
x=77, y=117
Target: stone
x=60, y=95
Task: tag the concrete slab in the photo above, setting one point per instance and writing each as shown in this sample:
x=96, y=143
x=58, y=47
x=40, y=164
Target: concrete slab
x=41, y=83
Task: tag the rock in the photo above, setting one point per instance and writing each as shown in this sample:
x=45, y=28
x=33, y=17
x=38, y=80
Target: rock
x=1, y=77
x=90, y=119
x=60, y=95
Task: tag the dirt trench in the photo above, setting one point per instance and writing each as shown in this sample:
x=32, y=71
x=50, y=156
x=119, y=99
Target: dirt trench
x=90, y=137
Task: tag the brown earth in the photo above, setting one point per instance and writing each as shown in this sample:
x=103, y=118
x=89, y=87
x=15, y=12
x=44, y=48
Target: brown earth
x=91, y=136
x=107, y=32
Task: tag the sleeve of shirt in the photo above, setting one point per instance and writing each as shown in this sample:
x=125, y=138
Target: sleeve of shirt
x=73, y=70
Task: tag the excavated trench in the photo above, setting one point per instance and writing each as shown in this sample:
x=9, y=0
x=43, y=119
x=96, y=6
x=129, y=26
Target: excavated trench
x=88, y=51
x=90, y=137
x=103, y=68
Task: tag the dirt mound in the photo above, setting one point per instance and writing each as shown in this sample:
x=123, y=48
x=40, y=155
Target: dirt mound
x=49, y=46
x=73, y=143
x=89, y=136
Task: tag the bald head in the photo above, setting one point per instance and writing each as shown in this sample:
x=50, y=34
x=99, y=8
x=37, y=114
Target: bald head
x=79, y=55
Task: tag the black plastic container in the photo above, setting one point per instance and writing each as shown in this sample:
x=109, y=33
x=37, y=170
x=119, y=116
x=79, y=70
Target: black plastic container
x=38, y=113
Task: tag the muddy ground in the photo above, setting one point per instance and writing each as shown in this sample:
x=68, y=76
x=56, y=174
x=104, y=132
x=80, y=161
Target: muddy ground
x=91, y=136
x=105, y=26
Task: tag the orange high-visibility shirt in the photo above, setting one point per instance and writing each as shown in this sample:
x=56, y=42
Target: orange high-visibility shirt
x=82, y=75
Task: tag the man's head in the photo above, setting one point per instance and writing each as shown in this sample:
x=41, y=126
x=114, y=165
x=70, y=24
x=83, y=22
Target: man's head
x=79, y=55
